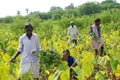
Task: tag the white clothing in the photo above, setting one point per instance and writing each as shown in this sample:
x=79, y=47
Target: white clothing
x=27, y=46
x=73, y=31
x=29, y=66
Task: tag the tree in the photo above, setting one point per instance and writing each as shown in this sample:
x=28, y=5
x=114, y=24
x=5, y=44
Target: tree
x=7, y=19
x=44, y=16
x=109, y=4
x=27, y=10
x=71, y=6
x=53, y=8
x=89, y=8
x=71, y=13
x=56, y=16
x=109, y=1
x=18, y=12
x=56, y=12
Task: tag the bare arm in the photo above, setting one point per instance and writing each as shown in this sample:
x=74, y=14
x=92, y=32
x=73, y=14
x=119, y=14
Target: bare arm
x=15, y=56
x=75, y=63
x=20, y=49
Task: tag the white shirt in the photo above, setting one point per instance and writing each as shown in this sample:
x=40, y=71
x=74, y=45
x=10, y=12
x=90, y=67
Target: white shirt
x=27, y=46
x=72, y=31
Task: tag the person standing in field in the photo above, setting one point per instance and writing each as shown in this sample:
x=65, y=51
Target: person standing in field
x=95, y=37
x=73, y=32
x=28, y=49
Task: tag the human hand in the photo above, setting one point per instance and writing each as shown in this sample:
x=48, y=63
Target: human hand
x=74, y=64
x=33, y=52
x=12, y=60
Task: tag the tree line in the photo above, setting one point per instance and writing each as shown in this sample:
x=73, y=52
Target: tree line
x=71, y=11
x=56, y=13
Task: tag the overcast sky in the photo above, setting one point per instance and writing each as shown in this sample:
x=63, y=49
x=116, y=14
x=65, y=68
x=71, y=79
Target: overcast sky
x=10, y=7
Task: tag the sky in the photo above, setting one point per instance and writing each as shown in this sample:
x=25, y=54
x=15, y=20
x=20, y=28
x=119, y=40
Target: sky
x=10, y=7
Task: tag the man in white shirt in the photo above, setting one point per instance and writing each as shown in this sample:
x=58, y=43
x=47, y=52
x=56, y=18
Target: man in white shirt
x=28, y=48
x=73, y=32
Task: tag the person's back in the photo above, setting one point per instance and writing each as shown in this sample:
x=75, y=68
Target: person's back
x=70, y=61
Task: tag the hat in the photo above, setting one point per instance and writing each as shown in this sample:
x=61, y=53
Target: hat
x=71, y=22
x=28, y=24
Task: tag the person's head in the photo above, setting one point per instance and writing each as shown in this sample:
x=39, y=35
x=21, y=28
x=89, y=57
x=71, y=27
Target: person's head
x=97, y=21
x=28, y=28
x=72, y=23
x=66, y=54
x=66, y=51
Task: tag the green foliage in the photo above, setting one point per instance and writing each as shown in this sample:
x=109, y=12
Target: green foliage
x=89, y=8
x=44, y=16
x=6, y=20
x=53, y=8
x=52, y=35
x=56, y=17
x=65, y=75
x=56, y=75
x=109, y=1
x=108, y=4
x=100, y=76
x=49, y=59
x=114, y=63
x=71, y=6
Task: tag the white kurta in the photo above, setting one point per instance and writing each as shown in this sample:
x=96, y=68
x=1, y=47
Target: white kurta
x=29, y=61
x=27, y=46
x=73, y=31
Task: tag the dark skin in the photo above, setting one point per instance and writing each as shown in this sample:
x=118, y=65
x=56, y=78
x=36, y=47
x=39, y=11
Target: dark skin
x=72, y=72
x=72, y=24
x=28, y=30
x=97, y=23
x=65, y=56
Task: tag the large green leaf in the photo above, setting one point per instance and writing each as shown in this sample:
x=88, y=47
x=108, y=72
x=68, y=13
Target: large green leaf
x=65, y=75
x=100, y=76
x=56, y=75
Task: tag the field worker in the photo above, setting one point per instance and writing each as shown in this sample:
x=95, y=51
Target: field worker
x=73, y=32
x=71, y=63
x=28, y=49
x=95, y=36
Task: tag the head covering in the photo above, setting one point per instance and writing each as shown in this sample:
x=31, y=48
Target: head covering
x=28, y=24
x=71, y=22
